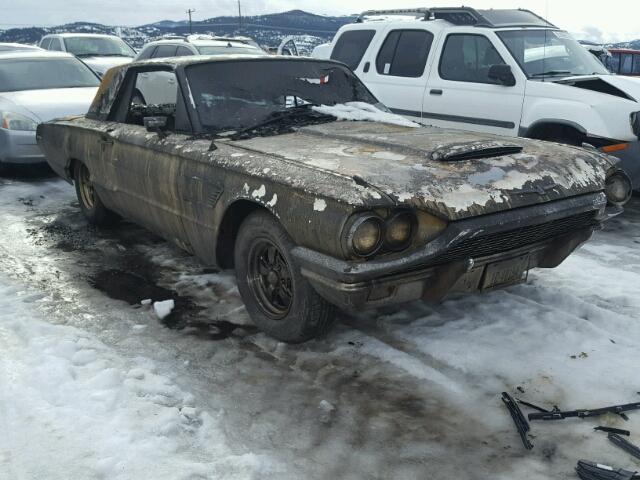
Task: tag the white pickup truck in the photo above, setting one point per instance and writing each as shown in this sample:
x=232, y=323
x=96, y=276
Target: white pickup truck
x=508, y=72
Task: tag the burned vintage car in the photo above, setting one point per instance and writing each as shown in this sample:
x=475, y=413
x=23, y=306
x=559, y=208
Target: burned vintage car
x=243, y=162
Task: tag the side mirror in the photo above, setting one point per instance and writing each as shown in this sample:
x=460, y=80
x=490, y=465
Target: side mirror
x=155, y=124
x=502, y=73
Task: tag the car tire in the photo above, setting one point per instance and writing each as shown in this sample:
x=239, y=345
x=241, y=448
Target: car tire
x=92, y=207
x=280, y=301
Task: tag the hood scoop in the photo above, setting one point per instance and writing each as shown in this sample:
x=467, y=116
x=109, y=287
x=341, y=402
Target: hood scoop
x=473, y=151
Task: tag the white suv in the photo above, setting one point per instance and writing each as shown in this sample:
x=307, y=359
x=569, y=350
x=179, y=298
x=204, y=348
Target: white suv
x=508, y=72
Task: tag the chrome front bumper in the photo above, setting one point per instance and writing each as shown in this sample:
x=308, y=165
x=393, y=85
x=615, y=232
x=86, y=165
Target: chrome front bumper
x=443, y=266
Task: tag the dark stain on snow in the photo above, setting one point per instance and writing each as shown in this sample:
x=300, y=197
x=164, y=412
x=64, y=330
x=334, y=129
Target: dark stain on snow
x=122, y=271
x=185, y=316
x=132, y=288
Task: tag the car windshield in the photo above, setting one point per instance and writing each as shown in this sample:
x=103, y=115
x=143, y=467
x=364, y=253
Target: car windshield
x=98, y=46
x=42, y=74
x=550, y=53
x=229, y=50
x=231, y=96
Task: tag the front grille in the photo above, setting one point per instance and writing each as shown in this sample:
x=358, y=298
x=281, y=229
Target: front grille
x=494, y=243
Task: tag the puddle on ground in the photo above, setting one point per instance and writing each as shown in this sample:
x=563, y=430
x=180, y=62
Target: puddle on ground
x=125, y=273
x=186, y=315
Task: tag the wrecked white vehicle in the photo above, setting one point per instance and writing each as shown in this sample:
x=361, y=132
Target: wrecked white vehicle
x=246, y=165
x=508, y=72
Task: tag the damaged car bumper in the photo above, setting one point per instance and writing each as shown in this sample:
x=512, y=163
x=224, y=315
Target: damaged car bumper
x=19, y=147
x=482, y=253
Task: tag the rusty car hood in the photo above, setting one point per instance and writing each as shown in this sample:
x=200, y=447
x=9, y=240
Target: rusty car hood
x=421, y=166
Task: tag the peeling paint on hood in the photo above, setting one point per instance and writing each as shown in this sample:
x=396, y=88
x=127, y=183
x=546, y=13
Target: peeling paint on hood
x=386, y=157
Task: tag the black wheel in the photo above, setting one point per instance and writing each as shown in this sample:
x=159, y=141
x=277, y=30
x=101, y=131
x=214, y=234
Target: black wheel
x=90, y=203
x=278, y=298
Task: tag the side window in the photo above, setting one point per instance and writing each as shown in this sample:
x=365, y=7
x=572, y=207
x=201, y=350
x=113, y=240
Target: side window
x=467, y=58
x=146, y=52
x=164, y=51
x=404, y=53
x=56, y=45
x=45, y=43
x=183, y=52
x=155, y=94
x=626, y=63
x=351, y=46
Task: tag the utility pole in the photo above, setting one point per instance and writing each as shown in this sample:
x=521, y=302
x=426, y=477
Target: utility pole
x=239, y=16
x=189, y=12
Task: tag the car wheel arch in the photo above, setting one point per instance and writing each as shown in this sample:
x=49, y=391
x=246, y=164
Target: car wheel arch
x=70, y=168
x=557, y=130
x=228, y=228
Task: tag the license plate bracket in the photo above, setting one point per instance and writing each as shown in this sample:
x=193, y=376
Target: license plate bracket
x=506, y=273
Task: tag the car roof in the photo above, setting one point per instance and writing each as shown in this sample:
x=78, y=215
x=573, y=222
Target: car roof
x=69, y=34
x=623, y=50
x=20, y=46
x=18, y=54
x=175, y=62
x=203, y=41
x=459, y=16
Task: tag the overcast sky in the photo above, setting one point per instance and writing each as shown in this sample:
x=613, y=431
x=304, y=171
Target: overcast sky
x=613, y=20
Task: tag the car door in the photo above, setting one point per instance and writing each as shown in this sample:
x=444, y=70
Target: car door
x=460, y=93
x=147, y=165
x=396, y=72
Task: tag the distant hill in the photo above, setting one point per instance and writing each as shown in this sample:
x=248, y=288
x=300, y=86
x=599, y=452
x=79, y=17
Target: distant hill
x=634, y=44
x=267, y=30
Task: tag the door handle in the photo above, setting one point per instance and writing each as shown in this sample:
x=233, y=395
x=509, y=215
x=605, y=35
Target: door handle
x=435, y=91
x=365, y=69
x=106, y=140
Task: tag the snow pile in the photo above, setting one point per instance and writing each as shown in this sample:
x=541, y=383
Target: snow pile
x=361, y=111
x=163, y=309
x=326, y=411
x=74, y=408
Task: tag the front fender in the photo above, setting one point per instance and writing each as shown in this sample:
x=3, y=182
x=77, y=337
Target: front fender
x=598, y=114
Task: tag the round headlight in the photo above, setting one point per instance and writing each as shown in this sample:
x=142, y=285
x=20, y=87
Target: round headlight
x=618, y=188
x=366, y=235
x=399, y=231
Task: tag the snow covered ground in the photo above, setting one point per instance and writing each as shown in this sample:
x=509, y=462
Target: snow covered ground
x=93, y=385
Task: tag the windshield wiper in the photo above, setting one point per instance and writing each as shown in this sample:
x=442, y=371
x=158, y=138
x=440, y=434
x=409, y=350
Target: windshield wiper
x=285, y=118
x=551, y=73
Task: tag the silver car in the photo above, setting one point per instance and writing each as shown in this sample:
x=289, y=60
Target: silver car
x=37, y=86
x=100, y=52
x=14, y=47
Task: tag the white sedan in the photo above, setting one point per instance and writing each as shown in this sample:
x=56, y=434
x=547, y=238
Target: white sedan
x=37, y=86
